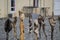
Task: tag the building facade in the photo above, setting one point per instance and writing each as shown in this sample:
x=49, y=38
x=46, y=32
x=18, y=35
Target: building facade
x=13, y=6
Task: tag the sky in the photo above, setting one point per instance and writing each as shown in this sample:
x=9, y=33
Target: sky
x=57, y=7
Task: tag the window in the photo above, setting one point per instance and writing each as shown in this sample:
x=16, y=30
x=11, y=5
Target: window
x=12, y=9
x=12, y=5
x=35, y=3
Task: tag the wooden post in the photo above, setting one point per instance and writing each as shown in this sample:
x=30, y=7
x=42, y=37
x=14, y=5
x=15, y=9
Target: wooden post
x=21, y=15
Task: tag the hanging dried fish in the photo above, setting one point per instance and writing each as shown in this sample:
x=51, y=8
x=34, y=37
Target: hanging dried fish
x=22, y=16
x=52, y=24
x=36, y=28
x=14, y=27
x=30, y=24
x=41, y=24
x=8, y=27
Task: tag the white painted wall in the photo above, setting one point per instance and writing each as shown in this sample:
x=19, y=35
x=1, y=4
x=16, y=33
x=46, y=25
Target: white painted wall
x=19, y=5
x=3, y=8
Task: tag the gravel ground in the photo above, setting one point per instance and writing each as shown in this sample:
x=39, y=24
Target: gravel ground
x=27, y=35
